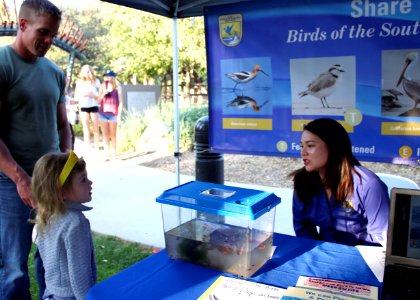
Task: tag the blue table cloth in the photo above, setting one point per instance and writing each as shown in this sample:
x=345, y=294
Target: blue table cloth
x=159, y=277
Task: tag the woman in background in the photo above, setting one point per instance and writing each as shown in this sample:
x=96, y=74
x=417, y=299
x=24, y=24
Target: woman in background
x=86, y=94
x=110, y=107
x=335, y=198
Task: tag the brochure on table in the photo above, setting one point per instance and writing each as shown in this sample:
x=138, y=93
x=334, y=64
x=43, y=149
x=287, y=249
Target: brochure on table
x=239, y=289
x=225, y=288
x=350, y=289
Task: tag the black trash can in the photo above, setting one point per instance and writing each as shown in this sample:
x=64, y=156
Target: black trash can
x=209, y=166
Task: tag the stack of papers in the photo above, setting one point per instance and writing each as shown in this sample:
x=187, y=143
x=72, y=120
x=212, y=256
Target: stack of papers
x=228, y=288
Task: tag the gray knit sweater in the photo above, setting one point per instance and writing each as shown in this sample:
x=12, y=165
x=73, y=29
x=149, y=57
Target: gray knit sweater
x=67, y=253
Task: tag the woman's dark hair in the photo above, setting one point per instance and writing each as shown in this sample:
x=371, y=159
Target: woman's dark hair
x=340, y=165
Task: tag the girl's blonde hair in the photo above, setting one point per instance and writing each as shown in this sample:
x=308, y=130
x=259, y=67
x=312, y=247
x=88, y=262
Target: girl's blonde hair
x=46, y=191
x=87, y=74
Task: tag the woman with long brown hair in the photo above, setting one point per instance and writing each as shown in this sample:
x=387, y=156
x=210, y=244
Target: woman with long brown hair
x=335, y=198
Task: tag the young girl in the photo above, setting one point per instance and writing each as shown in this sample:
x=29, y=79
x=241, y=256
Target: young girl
x=59, y=187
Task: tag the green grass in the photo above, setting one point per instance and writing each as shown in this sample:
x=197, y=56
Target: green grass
x=78, y=130
x=112, y=256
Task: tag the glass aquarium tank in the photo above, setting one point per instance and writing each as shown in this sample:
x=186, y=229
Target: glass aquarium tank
x=218, y=226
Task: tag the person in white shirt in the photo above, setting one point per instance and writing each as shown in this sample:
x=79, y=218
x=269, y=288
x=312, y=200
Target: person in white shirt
x=86, y=94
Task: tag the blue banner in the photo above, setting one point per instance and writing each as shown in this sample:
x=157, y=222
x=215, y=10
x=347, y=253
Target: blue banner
x=273, y=66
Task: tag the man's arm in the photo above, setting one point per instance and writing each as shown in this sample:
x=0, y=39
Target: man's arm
x=15, y=172
x=63, y=126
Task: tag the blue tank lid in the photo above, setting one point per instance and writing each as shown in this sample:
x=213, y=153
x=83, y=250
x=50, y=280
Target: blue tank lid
x=220, y=199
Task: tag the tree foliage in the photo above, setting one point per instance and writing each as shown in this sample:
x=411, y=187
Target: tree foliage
x=91, y=23
x=137, y=43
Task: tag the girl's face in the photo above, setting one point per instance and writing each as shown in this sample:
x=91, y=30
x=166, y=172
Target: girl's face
x=108, y=78
x=314, y=153
x=80, y=189
x=87, y=73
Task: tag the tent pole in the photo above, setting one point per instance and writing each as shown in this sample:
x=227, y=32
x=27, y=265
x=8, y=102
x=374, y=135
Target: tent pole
x=176, y=98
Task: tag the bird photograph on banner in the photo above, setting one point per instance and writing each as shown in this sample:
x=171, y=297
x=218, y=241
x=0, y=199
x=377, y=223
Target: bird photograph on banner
x=390, y=100
x=243, y=77
x=401, y=80
x=246, y=86
x=318, y=87
x=245, y=101
x=324, y=84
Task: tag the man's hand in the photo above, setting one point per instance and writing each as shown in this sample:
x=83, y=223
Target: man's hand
x=23, y=186
x=15, y=172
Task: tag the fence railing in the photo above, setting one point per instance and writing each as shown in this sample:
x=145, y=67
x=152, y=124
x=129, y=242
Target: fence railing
x=197, y=94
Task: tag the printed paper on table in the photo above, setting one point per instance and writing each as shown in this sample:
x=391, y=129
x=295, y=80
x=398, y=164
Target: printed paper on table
x=226, y=288
x=298, y=293
x=344, y=287
x=375, y=258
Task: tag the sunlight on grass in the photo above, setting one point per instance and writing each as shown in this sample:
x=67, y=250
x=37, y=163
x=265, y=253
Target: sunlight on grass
x=112, y=256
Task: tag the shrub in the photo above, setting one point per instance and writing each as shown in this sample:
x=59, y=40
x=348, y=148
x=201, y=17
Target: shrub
x=130, y=131
x=187, y=119
x=133, y=125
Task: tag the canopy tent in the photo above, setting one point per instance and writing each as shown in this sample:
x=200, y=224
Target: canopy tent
x=174, y=9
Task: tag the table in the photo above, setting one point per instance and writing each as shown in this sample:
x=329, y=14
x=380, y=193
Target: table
x=159, y=277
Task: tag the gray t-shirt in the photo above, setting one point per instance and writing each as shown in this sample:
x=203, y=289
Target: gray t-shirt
x=29, y=95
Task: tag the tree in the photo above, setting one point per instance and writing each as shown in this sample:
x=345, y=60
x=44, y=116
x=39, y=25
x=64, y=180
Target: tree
x=140, y=44
x=192, y=54
x=91, y=22
x=133, y=42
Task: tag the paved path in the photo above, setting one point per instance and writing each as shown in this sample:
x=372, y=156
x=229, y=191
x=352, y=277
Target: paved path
x=124, y=198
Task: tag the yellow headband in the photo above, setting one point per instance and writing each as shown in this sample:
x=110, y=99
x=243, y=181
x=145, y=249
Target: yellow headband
x=71, y=161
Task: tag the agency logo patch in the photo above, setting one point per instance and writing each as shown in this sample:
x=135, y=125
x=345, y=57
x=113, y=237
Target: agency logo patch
x=348, y=207
x=230, y=29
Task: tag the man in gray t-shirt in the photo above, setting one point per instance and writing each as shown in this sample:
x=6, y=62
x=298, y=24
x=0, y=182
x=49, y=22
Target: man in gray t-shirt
x=33, y=121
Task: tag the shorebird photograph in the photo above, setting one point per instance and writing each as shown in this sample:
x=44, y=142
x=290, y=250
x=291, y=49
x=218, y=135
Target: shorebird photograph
x=389, y=99
x=411, y=86
x=243, y=77
x=324, y=85
x=242, y=102
x=400, y=83
x=243, y=91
